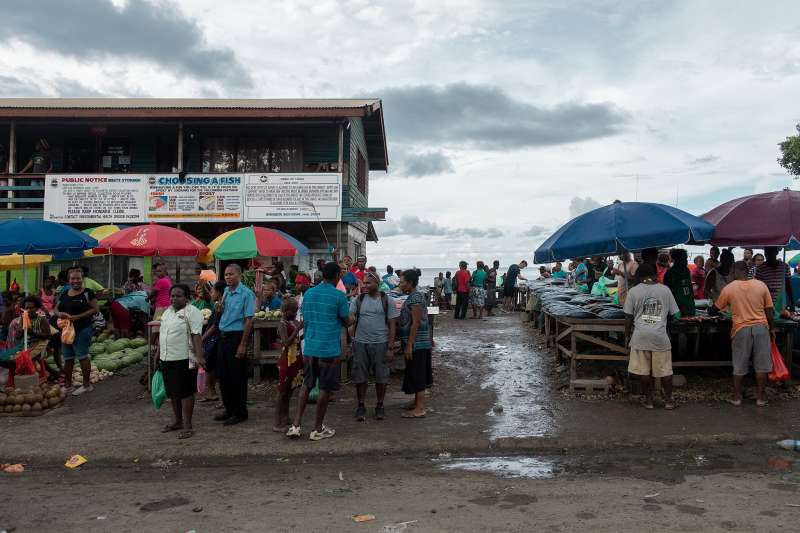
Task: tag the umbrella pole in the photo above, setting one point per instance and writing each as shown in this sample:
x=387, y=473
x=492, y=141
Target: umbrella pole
x=25, y=289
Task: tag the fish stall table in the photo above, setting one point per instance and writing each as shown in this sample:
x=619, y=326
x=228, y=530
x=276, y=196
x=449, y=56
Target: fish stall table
x=608, y=335
x=257, y=354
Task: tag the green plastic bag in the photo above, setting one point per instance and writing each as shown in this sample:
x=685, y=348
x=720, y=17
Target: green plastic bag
x=314, y=394
x=158, y=393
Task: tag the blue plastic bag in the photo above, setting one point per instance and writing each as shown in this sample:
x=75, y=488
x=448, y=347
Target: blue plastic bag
x=158, y=393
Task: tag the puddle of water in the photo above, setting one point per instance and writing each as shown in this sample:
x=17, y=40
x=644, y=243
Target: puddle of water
x=507, y=467
x=516, y=373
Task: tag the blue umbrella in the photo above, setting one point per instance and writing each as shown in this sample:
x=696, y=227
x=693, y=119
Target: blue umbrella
x=28, y=236
x=623, y=226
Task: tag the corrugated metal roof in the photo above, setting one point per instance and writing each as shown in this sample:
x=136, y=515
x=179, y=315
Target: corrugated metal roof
x=186, y=103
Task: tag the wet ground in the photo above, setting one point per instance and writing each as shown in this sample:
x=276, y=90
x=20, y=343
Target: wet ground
x=501, y=450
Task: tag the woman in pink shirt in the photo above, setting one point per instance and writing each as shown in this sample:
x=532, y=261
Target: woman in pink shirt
x=159, y=296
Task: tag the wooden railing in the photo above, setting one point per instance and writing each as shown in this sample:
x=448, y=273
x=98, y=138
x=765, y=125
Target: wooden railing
x=22, y=191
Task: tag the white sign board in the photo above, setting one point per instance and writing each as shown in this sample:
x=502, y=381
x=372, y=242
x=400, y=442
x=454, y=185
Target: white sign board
x=94, y=198
x=136, y=198
x=288, y=197
x=196, y=198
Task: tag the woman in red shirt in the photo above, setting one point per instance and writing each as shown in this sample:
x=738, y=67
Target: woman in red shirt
x=699, y=277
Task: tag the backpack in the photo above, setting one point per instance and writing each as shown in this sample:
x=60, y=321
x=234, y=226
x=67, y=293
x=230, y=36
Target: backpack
x=384, y=301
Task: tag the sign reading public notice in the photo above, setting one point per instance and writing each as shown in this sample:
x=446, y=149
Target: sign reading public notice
x=136, y=198
x=196, y=198
x=90, y=198
x=287, y=197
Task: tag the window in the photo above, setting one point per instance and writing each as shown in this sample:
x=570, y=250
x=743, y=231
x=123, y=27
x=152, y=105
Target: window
x=218, y=155
x=361, y=174
x=284, y=154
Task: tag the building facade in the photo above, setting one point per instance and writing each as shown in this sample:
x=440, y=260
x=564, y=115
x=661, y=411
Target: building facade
x=345, y=139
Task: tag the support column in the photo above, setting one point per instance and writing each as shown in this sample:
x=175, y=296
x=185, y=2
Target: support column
x=180, y=146
x=12, y=158
x=339, y=168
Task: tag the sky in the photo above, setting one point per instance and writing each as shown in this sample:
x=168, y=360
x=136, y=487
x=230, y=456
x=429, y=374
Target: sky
x=503, y=119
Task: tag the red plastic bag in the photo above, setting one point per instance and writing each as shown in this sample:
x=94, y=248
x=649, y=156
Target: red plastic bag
x=23, y=364
x=779, y=370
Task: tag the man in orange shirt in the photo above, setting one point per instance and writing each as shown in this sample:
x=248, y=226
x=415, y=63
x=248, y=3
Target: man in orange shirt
x=752, y=330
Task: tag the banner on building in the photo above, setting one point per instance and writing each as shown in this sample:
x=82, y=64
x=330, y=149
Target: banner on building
x=137, y=198
x=194, y=198
x=291, y=197
x=94, y=198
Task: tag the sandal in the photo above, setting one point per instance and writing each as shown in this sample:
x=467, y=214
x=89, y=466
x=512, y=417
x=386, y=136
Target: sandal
x=208, y=400
x=669, y=406
x=189, y=433
x=172, y=427
x=762, y=404
x=412, y=414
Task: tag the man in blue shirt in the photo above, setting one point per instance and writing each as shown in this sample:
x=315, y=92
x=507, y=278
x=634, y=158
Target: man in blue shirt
x=238, y=308
x=325, y=312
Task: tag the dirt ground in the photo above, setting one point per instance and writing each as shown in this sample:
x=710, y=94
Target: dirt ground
x=502, y=450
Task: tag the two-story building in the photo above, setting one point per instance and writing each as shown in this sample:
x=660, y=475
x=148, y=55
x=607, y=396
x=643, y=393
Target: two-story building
x=293, y=145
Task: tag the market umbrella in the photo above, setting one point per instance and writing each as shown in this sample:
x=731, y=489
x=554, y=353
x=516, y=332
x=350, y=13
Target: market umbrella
x=759, y=220
x=252, y=241
x=149, y=240
x=14, y=261
x=794, y=261
x=623, y=226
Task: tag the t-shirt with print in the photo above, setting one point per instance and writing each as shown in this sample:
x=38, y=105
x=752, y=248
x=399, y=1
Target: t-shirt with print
x=76, y=305
x=680, y=283
x=651, y=306
x=372, y=327
x=423, y=338
x=748, y=300
x=161, y=288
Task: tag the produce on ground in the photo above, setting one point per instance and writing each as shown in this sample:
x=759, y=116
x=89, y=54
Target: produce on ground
x=33, y=402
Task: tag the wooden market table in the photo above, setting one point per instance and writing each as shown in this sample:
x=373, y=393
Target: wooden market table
x=605, y=339
x=258, y=355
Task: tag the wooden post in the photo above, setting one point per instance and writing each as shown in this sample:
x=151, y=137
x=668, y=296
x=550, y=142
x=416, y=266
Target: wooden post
x=12, y=159
x=340, y=168
x=180, y=146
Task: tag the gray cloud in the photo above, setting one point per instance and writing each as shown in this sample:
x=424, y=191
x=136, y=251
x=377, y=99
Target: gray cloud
x=11, y=87
x=485, y=117
x=417, y=165
x=86, y=29
x=534, y=231
x=415, y=226
x=710, y=158
x=579, y=206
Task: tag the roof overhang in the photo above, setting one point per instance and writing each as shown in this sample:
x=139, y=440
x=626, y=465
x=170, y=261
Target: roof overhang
x=372, y=235
x=364, y=214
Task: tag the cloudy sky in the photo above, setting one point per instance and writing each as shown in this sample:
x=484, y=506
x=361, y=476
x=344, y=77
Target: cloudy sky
x=504, y=119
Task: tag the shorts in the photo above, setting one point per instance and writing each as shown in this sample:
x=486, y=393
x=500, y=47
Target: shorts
x=326, y=370
x=477, y=296
x=79, y=349
x=647, y=362
x=180, y=381
x=418, y=374
x=751, y=344
x=508, y=291
x=369, y=359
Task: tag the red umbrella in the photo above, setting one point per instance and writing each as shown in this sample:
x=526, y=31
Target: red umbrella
x=151, y=239
x=767, y=219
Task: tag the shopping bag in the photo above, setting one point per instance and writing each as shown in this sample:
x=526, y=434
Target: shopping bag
x=779, y=370
x=314, y=393
x=201, y=380
x=67, y=331
x=158, y=392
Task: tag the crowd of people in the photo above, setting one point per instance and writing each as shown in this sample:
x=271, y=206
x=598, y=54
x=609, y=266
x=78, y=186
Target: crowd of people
x=662, y=286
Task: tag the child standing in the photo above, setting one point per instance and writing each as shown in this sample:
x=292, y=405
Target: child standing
x=290, y=363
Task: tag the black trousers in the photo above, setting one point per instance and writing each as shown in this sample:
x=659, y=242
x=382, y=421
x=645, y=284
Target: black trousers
x=462, y=302
x=232, y=375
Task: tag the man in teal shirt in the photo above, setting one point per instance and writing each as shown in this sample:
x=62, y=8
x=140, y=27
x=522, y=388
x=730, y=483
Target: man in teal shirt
x=325, y=311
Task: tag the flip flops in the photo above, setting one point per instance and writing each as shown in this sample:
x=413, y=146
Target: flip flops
x=412, y=414
x=171, y=427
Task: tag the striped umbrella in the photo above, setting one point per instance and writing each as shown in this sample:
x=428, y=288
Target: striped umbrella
x=794, y=261
x=253, y=241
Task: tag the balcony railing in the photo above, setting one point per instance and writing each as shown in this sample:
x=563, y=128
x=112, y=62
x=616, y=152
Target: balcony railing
x=22, y=191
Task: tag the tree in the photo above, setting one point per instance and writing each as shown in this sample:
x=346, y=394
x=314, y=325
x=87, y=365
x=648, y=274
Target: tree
x=790, y=154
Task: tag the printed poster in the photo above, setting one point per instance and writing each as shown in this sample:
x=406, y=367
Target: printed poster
x=195, y=198
x=293, y=197
x=94, y=198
